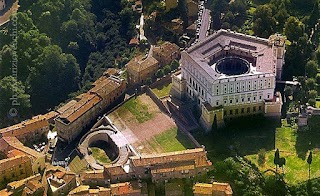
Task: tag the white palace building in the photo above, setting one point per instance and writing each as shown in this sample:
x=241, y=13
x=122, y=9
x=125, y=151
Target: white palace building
x=231, y=74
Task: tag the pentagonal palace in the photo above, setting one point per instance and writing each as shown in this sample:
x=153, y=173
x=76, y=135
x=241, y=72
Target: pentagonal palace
x=230, y=74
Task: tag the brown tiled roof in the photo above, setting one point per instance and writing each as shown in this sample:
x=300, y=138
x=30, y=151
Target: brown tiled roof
x=222, y=188
x=212, y=189
x=14, y=143
x=86, y=102
x=96, y=174
x=27, y=126
x=85, y=190
x=114, y=170
x=141, y=63
x=66, y=106
x=104, y=86
x=198, y=155
x=126, y=188
x=202, y=188
x=166, y=49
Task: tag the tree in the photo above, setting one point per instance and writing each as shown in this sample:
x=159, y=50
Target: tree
x=312, y=94
x=318, y=78
x=282, y=162
x=159, y=73
x=312, y=102
x=15, y=102
x=51, y=69
x=311, y=68
x=167, y=69
x=314, y=17
x=309, y=161
x=175, y=65
x=288, y=91
x=311, y=83
x=293, y=29
x=276, y=159
x=263, y=21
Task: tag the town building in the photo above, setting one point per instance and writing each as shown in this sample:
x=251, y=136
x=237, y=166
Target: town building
x=141, y=68
x=216, y=188
x=85, y=190
x=85, y=108
x=2, y=4
x=30, y=130
x=12, y=147
x=159, y=167
x=58, y=181
x=230, y=74
x=27, y=187
x=166, y=53
x=14, y=168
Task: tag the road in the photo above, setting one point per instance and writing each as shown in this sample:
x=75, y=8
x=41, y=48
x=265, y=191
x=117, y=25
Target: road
x=205, y=24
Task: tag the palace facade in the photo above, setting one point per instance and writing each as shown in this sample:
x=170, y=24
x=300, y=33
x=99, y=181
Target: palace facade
x=231, y=74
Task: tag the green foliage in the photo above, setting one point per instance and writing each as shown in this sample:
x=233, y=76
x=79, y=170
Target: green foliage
x=262, y=156
x=311, y=83
x=293, y=29
x=160, y=73
x=311, y=68
x=263, y=21
x=175, y=65
x=13, y=95
x=167, y=69
x=60, y=41
x=312, y=102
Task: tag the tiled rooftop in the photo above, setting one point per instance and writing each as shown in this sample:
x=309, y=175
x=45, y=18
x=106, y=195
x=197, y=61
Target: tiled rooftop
x=141, y=63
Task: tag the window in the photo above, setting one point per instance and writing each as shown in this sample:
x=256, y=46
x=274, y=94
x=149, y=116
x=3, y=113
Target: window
x=248, y=98
x=230, y=100
x=254, y=109
x=231, y=111
x=248, y=110
x=242, y=99
x=237, y=100
x=242, y=110
x=217, y=102
x=236, y=111
x=260, y=97
x=260, y=108
x=254, y=98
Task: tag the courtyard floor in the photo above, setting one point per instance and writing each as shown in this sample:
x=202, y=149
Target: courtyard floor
x=147, y=128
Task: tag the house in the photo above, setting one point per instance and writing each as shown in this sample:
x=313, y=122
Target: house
x=166, y=53
x=28, y=186
x=58, y=181
x=82, y=110
x=216, y=188
x=14, y=168
x=12, y=147
x=30, y=130
x=141, y=68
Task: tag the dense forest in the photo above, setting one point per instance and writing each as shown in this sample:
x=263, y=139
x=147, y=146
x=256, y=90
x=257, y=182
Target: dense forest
x=52, y=49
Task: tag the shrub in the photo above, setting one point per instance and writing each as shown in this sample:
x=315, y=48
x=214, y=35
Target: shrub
x=262, y=156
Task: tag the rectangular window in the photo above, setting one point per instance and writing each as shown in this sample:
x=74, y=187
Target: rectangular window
x=231, y=112
x=254, y=109
x=242, y=110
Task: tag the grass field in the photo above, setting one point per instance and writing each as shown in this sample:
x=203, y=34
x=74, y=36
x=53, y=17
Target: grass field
x=162, y=91
x=294, y=150
x=138, y=109
x=100, y=155
x=246, y=137
x=169, y=141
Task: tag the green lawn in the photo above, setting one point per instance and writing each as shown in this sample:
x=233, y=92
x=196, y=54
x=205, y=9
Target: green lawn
x=100, y=155
x=171, y=140
x=138, y=109
x=162, y=91
x=294, y=147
